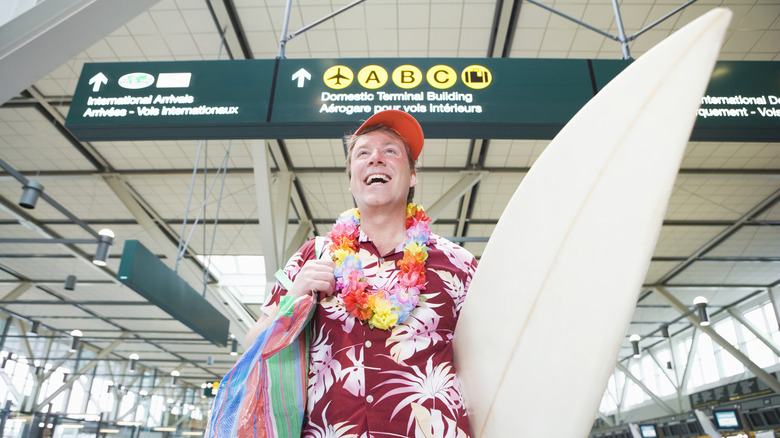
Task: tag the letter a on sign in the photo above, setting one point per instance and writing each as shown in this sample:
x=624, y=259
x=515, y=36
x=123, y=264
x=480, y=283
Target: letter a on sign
x=372, y=77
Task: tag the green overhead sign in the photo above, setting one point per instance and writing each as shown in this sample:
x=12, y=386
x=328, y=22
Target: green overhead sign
x=472, y=98
x=170, y=100
x=742, y=102
x=144, y=272
x=325, y=98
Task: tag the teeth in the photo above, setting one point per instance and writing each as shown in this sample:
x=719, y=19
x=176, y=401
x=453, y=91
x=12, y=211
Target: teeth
x=376, y=179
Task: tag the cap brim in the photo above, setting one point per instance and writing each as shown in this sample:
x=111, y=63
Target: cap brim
x=401, y=122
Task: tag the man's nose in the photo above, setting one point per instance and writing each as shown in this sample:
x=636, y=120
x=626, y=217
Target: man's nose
x=376, y=156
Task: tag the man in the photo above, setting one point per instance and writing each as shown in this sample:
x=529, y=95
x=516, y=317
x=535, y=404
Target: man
x=390, y=293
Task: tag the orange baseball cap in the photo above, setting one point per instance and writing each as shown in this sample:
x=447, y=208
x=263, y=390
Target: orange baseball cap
x=402, y=123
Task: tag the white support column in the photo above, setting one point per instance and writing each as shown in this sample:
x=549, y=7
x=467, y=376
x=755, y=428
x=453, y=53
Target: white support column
x=115, y=415
x=706, y=424
x=265, y=208
x=689, y=362
x=298, y=239
x=753, y=329
x=12, y=388
x=623, y=391
x=163, y=385
x=77, y=374
x=605, y=419
x=466, y=182
x=662, y=368
x=295, y=199
x=119, y=187
x=463, y=214
x=281, y=213
x=774, y=297
x=647, y=390
x=675, y=368
x=676, y=372
x=18, y=291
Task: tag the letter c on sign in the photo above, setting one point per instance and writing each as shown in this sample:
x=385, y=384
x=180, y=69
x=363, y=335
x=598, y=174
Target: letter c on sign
x=441, y=76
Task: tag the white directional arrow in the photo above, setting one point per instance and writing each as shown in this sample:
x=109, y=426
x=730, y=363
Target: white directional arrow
x=301, y=76
x=98, y=80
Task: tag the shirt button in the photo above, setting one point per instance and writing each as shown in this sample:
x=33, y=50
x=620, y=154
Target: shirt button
x=368, y=344
x=381, y=260
x=370, y=398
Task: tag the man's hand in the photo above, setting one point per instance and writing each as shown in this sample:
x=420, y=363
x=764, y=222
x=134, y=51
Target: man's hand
x=315, y=276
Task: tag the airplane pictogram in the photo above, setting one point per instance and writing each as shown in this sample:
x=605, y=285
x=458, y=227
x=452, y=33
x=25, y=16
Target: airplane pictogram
x=338, y=77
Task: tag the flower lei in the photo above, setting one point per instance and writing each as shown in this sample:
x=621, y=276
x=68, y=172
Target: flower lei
x=382, y=309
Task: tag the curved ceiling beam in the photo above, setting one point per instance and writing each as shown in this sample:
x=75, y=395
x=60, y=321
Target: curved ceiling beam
x=51, y=33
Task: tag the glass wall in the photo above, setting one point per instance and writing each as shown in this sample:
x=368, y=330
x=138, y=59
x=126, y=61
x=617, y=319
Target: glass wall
x=710, y=364
x=45, y=386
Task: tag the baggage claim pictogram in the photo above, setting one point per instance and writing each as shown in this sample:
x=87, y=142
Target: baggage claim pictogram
x=407, y=77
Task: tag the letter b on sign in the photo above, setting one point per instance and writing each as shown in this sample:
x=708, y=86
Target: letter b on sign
x=407, y=76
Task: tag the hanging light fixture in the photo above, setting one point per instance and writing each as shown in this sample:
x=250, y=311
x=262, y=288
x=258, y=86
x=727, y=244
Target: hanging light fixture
x=133, y=359
x=30, y=193
x=665, y=330
x=70, y=282
x=635, y=345
x=174, y=375
x=701, y=308
x=105, y=239
x=36, y=327
x=76, y=334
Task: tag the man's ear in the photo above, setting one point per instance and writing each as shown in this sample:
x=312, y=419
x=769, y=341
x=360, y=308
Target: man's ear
x=413, y=179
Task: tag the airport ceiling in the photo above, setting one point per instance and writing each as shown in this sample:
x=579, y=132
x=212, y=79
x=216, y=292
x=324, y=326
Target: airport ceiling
x=720, y=237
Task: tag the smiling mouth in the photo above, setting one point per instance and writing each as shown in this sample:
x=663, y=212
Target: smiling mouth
x=377, y=179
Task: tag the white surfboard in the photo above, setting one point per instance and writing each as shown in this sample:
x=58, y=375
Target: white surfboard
x=557, y=284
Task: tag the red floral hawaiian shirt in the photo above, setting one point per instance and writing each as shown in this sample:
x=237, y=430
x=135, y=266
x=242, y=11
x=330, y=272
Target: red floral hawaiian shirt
x=371, y=383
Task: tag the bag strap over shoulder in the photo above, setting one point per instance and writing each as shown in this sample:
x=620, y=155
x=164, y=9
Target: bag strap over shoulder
x=319, y=246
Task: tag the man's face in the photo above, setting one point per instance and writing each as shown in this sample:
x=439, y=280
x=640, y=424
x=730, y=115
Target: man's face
x=379, y=171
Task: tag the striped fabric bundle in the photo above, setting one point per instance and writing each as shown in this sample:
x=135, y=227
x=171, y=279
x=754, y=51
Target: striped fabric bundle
x=264, y=395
